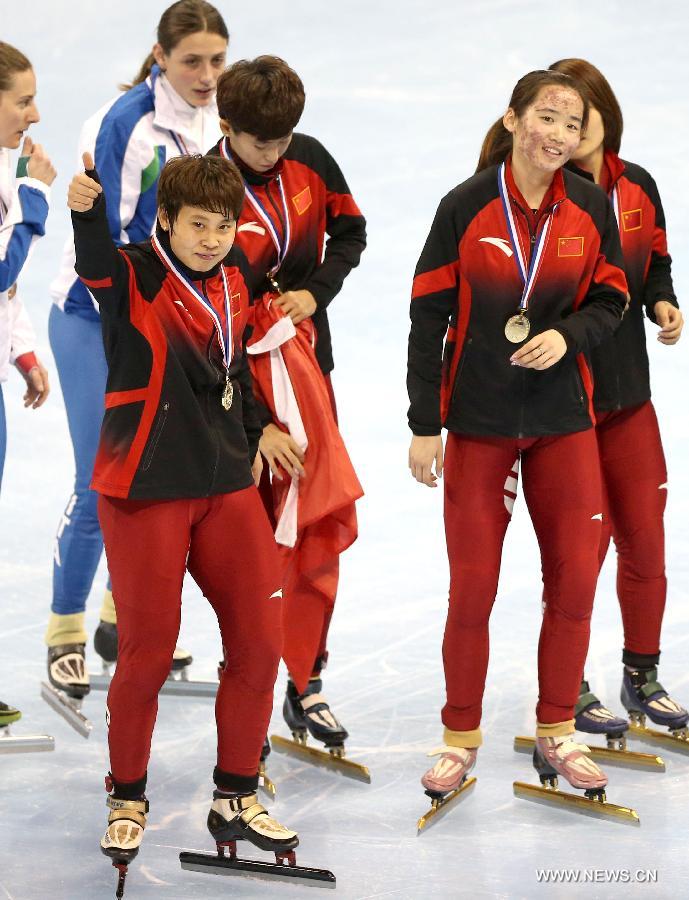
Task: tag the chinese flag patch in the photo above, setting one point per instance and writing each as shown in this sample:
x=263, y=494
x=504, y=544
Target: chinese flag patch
x=631, y=219
x=235, y=304
x=302, y=200
x=570, y=246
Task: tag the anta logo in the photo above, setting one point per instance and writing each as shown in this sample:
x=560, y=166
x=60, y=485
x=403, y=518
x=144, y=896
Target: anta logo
x=252, y=226
x=302, y=200
x=632, y=219
x=570, y=246
x=500, y=243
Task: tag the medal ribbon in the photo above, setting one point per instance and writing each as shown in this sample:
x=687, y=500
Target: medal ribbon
x=224, y=338
x=281, y=246
x=529, y=273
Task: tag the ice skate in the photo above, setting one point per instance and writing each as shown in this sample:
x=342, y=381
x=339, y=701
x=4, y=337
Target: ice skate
x=309, y=713
x=237, y=817
x=553, y=756
x=591, y=717
x=264, y=781
x=644, y=697
x=447, y=781
x=25, y=743
x=124, y=834
x=177, y=683
x=69, y=684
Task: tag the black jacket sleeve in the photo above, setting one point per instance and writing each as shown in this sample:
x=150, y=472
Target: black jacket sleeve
x=346, y=229
x=658, y=284
x=434, y=299
x=99, y=264
x=600, y=313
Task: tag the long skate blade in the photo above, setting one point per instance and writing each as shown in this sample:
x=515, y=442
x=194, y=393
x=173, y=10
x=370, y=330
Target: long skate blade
x=265, y=783
x=322, y=758
x=62, y=705
x=444, y=805
x=574, y=803
x=626, y=759
x=659, y=738
x=100, y=682
x=223, y=865
x=26, y=743
x=180, y=687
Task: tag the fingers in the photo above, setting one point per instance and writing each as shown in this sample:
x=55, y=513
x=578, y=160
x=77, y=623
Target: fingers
x=37, y=387
x=89, y=164
x=82, y=193
x=27, y=146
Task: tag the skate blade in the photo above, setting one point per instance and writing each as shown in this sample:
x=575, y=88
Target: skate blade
x=175, y=687
x=659, y=738
x=265, y=783
x=223, y=865
x=66, y=707
x=25, y=743
x=443, y=806
x=322, y=758
x=574, y=803
x=626, y=759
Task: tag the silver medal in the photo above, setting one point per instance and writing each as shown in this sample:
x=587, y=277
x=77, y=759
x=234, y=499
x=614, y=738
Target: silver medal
x=517, y=328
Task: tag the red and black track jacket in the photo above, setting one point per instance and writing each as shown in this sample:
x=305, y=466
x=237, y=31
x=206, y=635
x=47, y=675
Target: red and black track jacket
x=319, y=202
x=620, y=363
x=165, y=433
x=467, y=277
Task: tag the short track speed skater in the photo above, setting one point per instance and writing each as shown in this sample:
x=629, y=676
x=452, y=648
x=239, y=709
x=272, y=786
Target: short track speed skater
x=309, y=714
x=561, y=756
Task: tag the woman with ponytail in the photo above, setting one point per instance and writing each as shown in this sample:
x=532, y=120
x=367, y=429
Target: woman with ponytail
x=631, y=452
x=169, y=111
x=520, y=277
x=23, y=212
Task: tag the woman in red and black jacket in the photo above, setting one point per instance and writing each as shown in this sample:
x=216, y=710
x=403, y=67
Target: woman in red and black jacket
x=523, y=264
x=631, y=452
x=174, y=475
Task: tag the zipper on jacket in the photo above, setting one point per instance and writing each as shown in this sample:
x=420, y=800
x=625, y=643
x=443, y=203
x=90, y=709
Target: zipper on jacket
x=155, y=437
x=209, y=414
x=275, y=207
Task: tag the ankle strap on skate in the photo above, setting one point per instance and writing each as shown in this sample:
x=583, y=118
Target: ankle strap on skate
x=255, y=810
x=308, y=701
x=237, y=804
x=134, y=810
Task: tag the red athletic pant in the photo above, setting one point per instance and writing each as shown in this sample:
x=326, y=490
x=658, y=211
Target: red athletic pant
x=561, y=479
x=635, y=491
x=226, y=543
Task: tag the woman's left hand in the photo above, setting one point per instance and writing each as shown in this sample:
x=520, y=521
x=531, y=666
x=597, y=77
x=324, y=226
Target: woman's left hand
x=298, y=305
x=37, y=386
x=541, y=352
x=670, y=320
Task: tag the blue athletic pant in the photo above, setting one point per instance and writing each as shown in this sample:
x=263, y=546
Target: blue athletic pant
x=77, y=346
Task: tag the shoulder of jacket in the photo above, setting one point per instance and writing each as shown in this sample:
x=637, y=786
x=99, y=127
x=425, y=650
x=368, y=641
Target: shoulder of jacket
x=636, y=174
x=585, y=194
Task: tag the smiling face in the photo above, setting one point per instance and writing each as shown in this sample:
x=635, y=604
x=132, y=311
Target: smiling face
x=194, y=65
x=199, y=239
x=258, y=155
x=548, y=132
x=18, y=108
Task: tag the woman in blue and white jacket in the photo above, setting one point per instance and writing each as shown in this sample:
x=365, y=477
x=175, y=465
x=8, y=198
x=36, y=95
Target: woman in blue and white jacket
x=23, y=211
x=168, y=111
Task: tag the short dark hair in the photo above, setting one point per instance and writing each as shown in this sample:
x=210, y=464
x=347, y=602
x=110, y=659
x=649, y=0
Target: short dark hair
x=210, y=182
x=600, y=94
x=262, y=97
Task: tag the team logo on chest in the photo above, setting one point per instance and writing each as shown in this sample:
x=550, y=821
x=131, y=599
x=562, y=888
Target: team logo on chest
x=632, y=219
x=302, y=201
x=501, y=243
x=570, y=246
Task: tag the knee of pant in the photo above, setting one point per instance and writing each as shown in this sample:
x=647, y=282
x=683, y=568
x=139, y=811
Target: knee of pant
x=471, y=609
x=643, y=552
x=258, y=666
x=575, y=611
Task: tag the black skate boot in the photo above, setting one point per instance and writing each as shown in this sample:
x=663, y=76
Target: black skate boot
x=105, y=642
x=240, y=817
x=644, y=697
x=67, y=670
x=310, y=711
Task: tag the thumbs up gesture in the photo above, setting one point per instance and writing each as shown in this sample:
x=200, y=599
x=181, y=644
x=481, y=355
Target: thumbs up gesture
x=38, y=165
x=84, y=190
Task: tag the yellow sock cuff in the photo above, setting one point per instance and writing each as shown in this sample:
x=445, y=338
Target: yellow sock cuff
x=65, y=629
x=107, y=610
x=555, y=729
x=467, y=739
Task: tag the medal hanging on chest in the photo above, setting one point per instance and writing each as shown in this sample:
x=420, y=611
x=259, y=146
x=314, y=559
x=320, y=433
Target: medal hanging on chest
x=224, y=335
x=518, y=326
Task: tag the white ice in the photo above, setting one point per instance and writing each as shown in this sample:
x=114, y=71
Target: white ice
x=402, y=93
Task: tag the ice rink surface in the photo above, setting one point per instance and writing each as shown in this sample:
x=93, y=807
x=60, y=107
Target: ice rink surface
x=402, y=94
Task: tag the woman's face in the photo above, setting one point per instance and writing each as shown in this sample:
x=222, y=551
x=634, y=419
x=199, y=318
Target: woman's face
x=194, y=65
x=548, y=132
x=594, y=137
x=18, y=109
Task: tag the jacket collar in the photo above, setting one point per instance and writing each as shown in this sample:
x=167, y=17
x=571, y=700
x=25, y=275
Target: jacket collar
x=615, y=166
x=173, y=113
x=554, y=194
x=256, y=179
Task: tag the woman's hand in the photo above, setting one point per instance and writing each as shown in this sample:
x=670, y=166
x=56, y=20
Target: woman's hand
x=83, y=191
x=37, y=386
x=541, y=352
x=423, y=452
x=298, y=305
x=257, y=468
x=39, y=165
x=670, y=320
x=281, y=451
